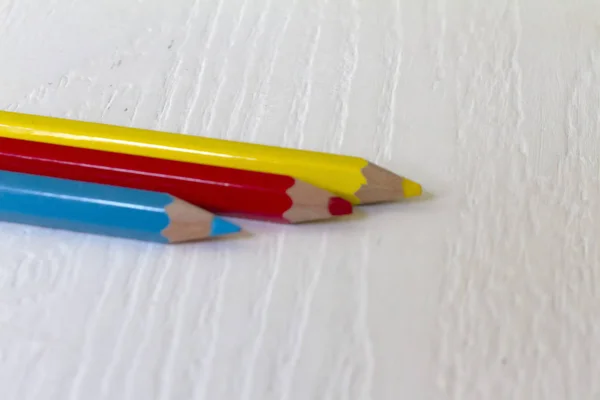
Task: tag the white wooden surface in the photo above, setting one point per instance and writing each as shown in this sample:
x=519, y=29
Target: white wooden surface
x=489, y=290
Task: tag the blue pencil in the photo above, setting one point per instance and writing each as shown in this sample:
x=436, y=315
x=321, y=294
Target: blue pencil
x=105, y=210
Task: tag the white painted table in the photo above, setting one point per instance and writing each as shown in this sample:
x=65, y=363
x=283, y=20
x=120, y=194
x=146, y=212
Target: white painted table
x=489, y=290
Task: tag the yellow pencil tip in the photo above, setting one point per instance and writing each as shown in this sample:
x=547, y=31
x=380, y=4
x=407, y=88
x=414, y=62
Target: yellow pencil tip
x=411, y=189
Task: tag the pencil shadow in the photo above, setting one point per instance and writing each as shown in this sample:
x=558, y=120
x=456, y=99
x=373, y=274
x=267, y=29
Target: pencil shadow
x=241, y=235
x=356, y=215
x=425, y=197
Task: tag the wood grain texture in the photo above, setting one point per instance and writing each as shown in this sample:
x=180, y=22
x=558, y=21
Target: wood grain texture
x=486, y=291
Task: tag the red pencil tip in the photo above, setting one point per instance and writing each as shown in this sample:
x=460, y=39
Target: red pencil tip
x=339, y=206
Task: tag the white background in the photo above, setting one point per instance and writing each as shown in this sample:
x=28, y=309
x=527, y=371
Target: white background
x=486, y=290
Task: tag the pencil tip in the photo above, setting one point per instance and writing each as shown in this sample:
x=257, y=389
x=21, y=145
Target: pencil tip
x=383, y=185
x=222, y=227
x=411, y=189
x=339, y=206
x=190, y=223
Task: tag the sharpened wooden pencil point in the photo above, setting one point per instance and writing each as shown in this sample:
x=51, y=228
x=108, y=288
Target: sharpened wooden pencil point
x=383, y=185
x=189, y=223
x=311, y=203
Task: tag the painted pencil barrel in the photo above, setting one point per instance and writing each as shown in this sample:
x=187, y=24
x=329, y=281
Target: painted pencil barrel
x=104, y=210
x=223, y=191
x=352, y=178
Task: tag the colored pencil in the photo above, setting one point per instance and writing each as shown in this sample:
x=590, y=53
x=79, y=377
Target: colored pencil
x=105, y=210
x=352, y=178
x=220, y=190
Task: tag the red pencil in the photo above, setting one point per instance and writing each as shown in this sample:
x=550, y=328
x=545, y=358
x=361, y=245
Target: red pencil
x=226, y=191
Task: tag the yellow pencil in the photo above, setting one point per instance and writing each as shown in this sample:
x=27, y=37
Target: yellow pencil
x=352, y=178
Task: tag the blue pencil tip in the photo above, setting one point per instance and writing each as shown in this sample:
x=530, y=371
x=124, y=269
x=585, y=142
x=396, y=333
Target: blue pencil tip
x=222, y=227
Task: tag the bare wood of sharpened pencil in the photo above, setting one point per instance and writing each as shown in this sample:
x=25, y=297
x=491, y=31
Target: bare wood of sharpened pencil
x=187, y=222
x=383, y=185
x=310, y=203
